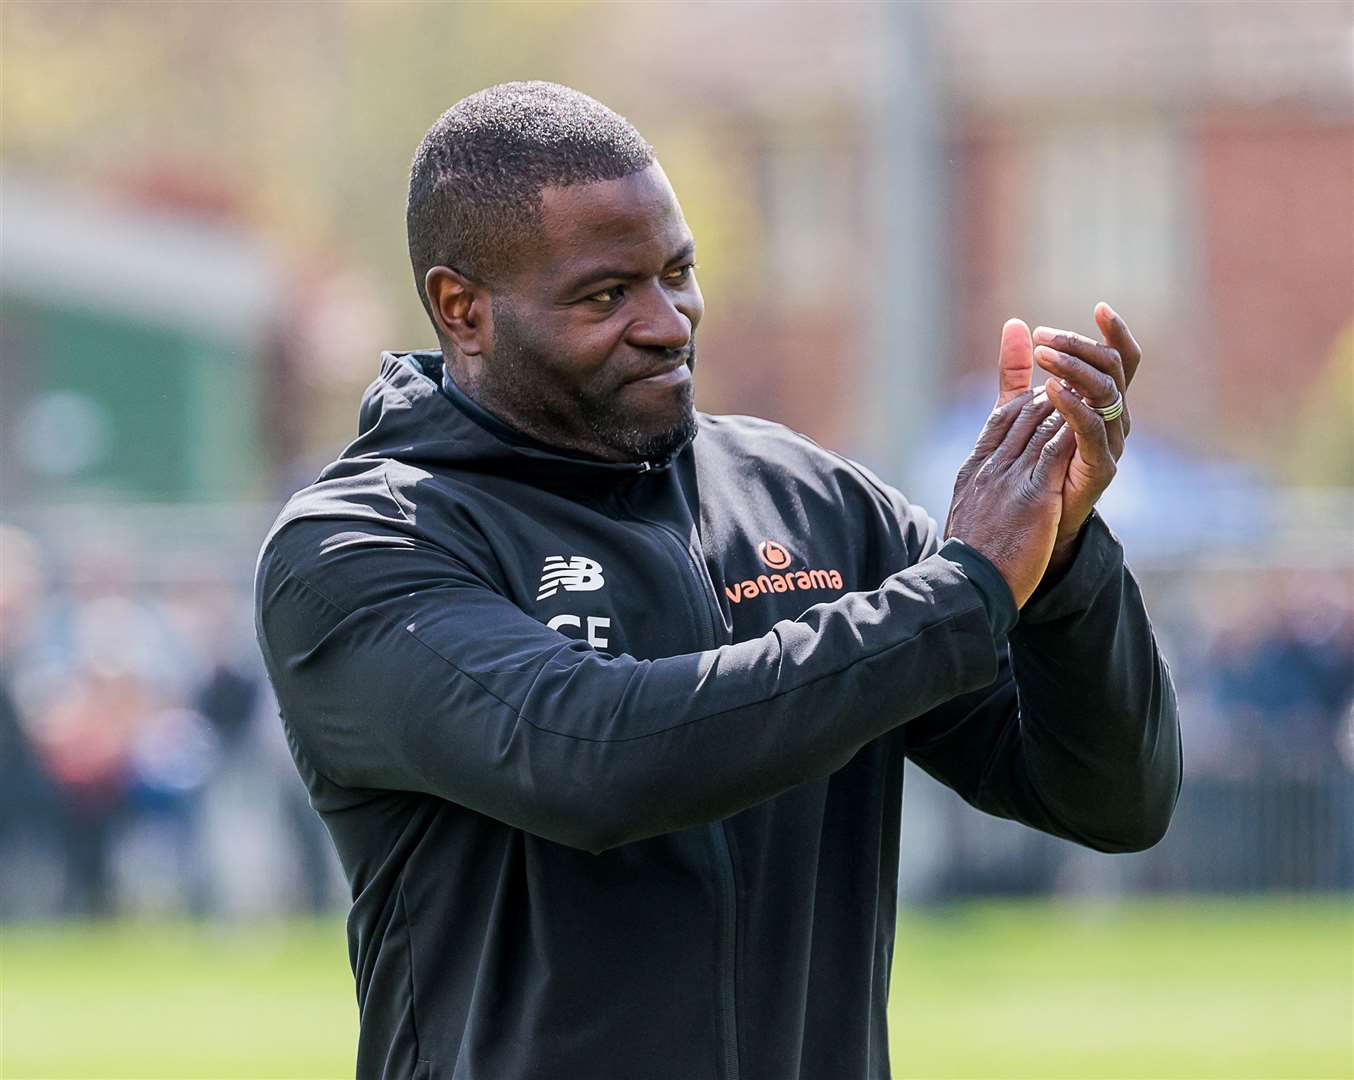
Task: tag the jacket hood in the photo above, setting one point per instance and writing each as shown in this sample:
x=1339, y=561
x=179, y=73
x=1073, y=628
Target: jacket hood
x=411, y=413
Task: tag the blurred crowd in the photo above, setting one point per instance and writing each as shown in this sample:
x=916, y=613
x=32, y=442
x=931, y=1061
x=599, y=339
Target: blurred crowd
x=1264, y=662
x=145, y=770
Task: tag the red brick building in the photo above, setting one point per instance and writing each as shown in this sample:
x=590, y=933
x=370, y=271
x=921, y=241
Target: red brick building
x=1191, y=163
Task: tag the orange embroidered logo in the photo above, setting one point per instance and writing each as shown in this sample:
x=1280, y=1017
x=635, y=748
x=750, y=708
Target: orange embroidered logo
x=773, y=554
x=778, y=557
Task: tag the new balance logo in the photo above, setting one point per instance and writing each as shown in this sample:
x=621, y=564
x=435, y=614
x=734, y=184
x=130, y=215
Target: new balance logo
x=576, y=574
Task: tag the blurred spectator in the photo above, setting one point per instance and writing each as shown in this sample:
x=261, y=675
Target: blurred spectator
x=84, y=738
x=1284, y=674
x=28, y=804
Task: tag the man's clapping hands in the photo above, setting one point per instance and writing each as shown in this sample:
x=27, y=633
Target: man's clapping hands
x=1044, y=456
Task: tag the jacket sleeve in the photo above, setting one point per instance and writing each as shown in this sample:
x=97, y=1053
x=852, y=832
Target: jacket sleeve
x=1078, y=735
x=398, y=668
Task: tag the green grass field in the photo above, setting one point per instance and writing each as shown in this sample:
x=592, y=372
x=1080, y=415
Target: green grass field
x=1160, y=989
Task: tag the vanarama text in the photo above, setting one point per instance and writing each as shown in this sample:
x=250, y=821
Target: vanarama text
x=795, y=580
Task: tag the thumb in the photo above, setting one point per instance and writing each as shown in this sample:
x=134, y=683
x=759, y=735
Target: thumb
x=1051, y=469
x=1015, y=361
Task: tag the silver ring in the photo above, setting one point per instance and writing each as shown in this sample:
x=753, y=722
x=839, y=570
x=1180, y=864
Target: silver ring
x=1114, y=410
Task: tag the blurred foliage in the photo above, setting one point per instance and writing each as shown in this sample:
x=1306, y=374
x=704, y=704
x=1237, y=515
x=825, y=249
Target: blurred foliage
x=1321, y=441
x=307, y=113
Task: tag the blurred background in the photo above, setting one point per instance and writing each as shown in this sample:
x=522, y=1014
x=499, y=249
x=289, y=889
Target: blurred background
x=202, y=253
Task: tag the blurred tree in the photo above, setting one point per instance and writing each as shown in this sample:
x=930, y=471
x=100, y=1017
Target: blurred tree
x=1321, y=448
x=303, y=118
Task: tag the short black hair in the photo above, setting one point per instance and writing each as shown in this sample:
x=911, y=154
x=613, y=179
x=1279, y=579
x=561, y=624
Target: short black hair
x=476, y=179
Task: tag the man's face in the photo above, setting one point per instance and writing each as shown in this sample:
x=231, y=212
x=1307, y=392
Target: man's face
x=593, y=340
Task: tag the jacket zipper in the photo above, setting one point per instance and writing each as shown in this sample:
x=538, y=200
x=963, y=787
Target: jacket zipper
x=728, y=946
x=719, y=837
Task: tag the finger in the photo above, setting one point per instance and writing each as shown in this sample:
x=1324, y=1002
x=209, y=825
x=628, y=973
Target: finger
x=1100, y=356
x=1048, y=427
x=1015, y=361
x=1054, y=456
x=1095, y=385
x=998, y=423
x=1032, y=413
x=1085, y=422
x=1118, y=337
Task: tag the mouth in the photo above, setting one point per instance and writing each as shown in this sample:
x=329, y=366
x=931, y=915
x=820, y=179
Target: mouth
x=673, y=375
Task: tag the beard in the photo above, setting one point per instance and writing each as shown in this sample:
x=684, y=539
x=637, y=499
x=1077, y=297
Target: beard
x=613, y=428
x=520, y=382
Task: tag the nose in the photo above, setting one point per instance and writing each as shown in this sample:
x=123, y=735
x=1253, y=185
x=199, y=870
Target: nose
x=661, y=323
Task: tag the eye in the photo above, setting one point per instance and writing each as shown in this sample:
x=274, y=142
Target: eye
x=608, y=295
x=679, y=274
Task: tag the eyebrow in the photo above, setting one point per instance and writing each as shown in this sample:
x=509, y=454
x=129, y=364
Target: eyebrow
x=686, y=251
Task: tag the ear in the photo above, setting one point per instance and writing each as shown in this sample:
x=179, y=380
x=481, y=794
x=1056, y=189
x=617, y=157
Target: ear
x=460, y=309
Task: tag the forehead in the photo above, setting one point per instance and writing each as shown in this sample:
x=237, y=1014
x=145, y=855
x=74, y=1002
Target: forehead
x=635, y=217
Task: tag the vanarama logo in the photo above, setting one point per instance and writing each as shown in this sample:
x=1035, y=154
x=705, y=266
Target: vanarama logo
x=778, y=557
x=773, y=554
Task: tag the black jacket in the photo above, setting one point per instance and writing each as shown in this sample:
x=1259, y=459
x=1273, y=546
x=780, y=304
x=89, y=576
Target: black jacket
x=660, y=840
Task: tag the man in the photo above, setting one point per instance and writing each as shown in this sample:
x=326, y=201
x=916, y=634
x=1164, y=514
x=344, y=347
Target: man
x=605, y=701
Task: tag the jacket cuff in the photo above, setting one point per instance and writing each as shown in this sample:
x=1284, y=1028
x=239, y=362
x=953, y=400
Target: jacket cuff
x=1098, y=555
x=997, y=597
